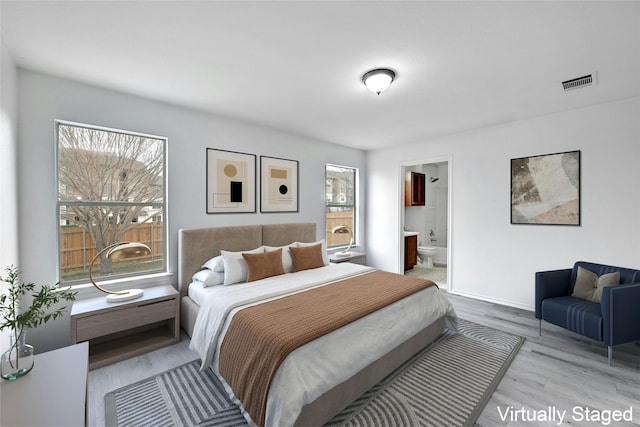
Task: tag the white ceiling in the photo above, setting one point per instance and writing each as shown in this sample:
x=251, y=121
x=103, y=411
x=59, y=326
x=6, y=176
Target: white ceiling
x=296, y=65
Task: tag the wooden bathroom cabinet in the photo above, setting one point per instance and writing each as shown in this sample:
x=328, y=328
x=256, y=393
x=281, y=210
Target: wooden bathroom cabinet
x=410, y=252
x=414, y=189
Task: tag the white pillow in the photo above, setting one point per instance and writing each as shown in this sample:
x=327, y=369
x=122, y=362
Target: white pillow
x=325, y=256
x=208, y=277
x=287, y=261
x=235, y=267
x=215, y=264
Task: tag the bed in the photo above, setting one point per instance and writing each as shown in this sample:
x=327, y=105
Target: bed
x=320, y=378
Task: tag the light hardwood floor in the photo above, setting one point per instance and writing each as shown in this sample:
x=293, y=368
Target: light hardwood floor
x=556, y=370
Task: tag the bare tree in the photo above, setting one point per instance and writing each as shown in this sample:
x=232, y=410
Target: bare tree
x=108, y=179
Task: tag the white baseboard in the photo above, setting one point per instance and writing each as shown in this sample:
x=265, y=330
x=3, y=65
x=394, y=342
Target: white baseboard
x=492, y=300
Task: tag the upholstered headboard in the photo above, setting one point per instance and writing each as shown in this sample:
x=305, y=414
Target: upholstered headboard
x=198, y=245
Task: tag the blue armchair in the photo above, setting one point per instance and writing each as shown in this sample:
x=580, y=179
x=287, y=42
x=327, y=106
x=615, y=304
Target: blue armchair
x=615, y=320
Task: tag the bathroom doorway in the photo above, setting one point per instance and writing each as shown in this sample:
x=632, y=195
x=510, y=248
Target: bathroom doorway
x=429, y=219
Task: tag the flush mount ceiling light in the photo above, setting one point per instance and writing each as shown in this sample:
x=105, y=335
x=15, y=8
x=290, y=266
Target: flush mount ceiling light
x=378, y=80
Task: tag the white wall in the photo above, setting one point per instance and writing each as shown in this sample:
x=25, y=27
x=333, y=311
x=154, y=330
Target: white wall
x=8, y=188
x=42, y=99
x=493, y=259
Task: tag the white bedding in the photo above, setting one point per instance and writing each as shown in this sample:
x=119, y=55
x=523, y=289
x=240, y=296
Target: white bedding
x=198, y=292
x=311, y=370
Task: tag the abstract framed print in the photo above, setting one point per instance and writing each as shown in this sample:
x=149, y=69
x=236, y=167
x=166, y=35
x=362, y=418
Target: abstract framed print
x=545, y=189
x=231, y=182
x=279, y=185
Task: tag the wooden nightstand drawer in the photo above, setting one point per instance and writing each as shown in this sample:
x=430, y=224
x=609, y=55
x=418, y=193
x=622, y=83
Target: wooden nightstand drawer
x=110, y=322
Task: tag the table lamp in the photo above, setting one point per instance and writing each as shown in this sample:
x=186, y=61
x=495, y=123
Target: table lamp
x=343, y=229
x=119, y=251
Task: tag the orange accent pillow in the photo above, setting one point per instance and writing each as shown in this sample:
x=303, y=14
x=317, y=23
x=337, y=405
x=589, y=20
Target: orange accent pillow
x=263, y=265
x=307, y=257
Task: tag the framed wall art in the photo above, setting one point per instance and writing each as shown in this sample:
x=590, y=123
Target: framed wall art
x=545, y=189
x=231, y=182
x=279, y=185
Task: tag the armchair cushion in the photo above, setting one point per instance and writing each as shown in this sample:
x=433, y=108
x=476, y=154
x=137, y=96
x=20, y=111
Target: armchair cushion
x=575, y=314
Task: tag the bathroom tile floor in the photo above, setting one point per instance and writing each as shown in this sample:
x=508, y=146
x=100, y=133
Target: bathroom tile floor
x=438, y=273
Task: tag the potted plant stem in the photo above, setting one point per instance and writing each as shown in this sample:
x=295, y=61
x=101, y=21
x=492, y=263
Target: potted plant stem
x=18, y=360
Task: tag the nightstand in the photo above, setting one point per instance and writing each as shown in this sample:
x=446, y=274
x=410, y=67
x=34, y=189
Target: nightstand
x=353, y=257
x=117, y=331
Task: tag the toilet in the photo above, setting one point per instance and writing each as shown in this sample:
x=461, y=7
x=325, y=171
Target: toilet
x=426, y=254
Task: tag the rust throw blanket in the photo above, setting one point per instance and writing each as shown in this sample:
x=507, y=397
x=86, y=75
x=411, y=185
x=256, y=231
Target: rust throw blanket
x=259, y=338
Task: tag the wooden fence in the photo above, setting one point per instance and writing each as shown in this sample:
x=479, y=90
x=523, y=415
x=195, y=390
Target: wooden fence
x=338, y=218
x=77, y=248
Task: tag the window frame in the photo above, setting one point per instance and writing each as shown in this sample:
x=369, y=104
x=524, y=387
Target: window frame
x=356, y=205
x=122, y=277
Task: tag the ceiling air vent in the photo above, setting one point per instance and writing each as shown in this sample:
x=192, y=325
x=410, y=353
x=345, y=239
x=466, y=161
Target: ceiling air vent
x=579, y=82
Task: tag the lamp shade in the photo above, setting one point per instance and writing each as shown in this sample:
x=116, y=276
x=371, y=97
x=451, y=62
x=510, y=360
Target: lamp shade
x=115, y=252
x=378, y=80
x=128, y=250
x=340, y=229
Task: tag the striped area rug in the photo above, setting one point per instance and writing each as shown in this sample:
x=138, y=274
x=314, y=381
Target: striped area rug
x=448, y=383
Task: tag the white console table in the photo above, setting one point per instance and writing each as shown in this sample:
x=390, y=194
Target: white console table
x=54, y=393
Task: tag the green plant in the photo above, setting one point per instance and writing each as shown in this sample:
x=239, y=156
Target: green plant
x=40, y=311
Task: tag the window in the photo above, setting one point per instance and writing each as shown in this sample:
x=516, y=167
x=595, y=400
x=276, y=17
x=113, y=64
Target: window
x=341, y=203
x=111, y=188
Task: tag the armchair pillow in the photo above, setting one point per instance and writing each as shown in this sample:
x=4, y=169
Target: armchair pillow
x=589, y=285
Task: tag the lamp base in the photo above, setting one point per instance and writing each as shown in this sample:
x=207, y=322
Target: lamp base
x=345, y=253
x=128, y=295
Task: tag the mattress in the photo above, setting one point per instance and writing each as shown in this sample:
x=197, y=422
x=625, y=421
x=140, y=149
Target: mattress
x=314, y=368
